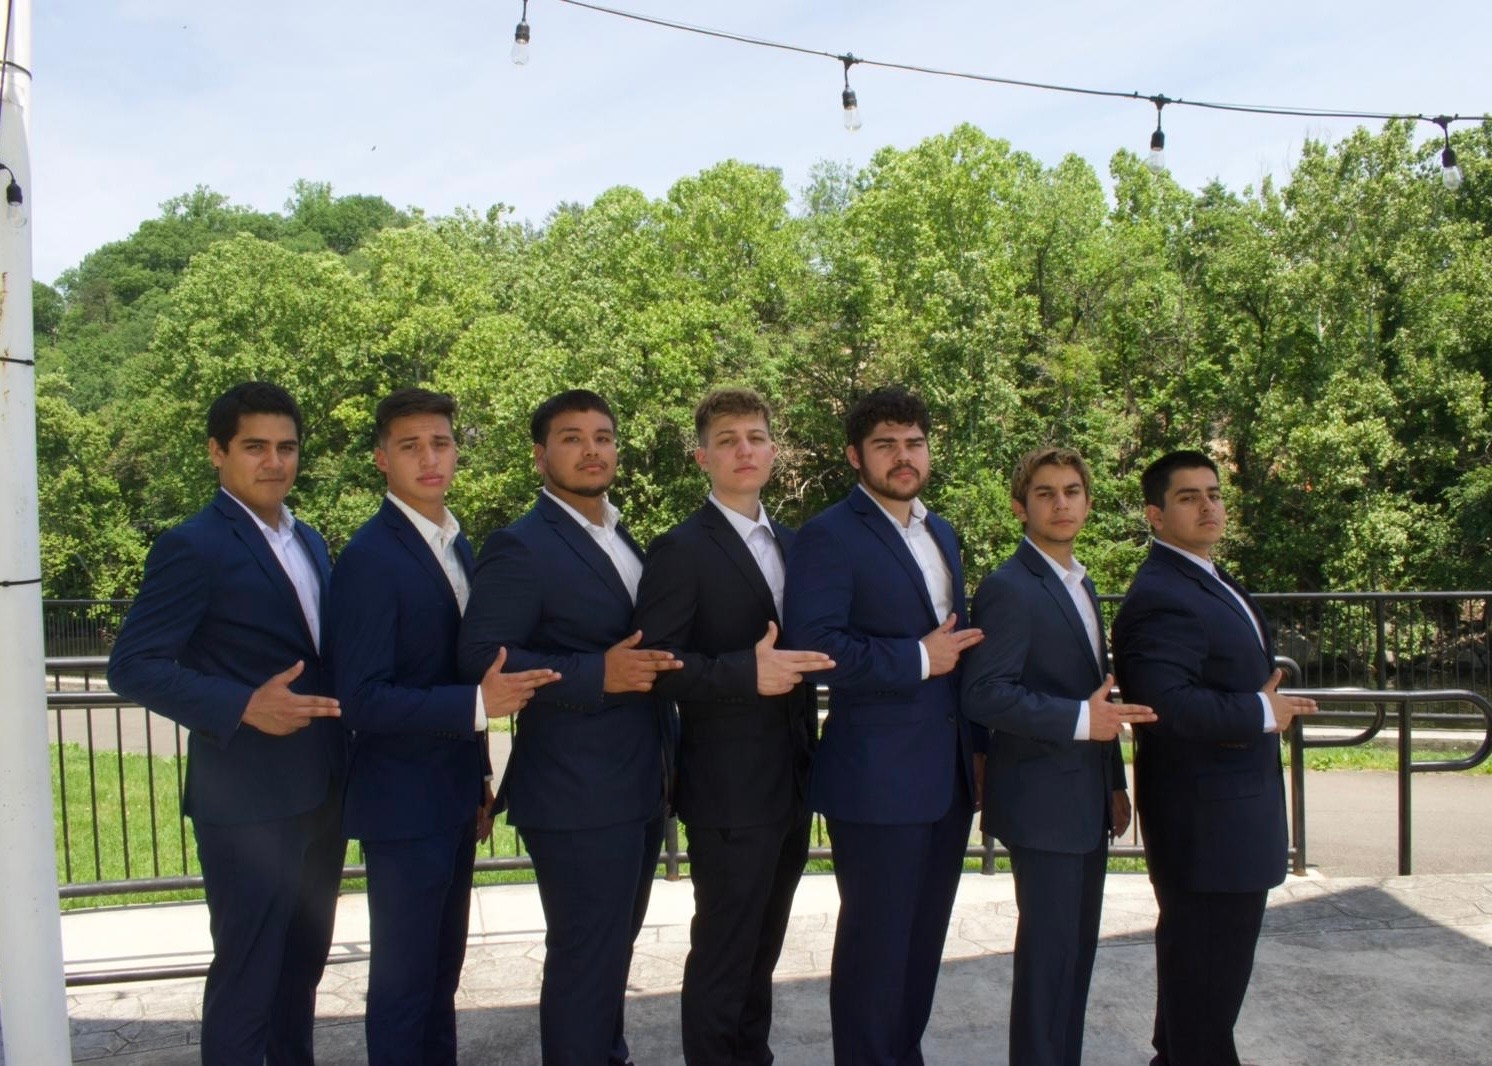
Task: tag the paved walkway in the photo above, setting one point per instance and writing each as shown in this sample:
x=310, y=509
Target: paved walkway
x=1350, y=970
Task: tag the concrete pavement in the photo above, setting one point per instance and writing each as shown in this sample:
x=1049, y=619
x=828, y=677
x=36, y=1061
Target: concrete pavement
x=1366, y=970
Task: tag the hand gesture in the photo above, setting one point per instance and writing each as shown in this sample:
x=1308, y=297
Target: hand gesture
x=485, y=814
x=504, y=695
x=1285, y=707
x=631, y=670
x=1106, y=720
x=275, y=710
x=944, y=646
x=778, y=670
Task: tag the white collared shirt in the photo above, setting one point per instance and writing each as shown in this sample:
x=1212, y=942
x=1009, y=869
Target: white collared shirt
x=441, y=540
x=1270, y=725
x=628, y=565
x=935, y=573
x=1072, y=581
x=758, y=535
x=295, y=560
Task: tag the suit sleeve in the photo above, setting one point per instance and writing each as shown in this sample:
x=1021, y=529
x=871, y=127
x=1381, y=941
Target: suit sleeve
x=667, y=599
x=145, y=663
x=1116, y=764
x=363, y=626
x=505, y=611
x=819, y=598
x=993, y=669
x=1161, y=651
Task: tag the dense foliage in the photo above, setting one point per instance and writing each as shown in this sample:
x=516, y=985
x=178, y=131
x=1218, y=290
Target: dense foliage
x=1330, y=342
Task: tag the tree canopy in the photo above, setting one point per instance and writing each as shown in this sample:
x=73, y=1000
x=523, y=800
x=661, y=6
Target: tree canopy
x=1329, y=342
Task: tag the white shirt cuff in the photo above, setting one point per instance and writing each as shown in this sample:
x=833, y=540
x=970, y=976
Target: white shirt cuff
x=1270, y=725
x=926, y=665
x=1081, y=732
x=481, y=720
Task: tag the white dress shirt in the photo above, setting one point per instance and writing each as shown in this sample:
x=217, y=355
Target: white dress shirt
x=758, y=535
x=295, y=560
x=628, y=564
x=1072, y=581
x=1270, y=725
x=935, y=572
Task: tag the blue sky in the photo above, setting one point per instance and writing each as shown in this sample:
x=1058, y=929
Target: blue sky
x=137, y=101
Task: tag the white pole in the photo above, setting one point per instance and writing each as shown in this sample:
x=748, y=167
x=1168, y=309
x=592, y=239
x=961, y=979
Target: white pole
x=32, y=995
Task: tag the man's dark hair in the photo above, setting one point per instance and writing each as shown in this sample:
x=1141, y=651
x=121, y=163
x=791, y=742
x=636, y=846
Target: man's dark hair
x=566, y=403
x=411, y=401
x=891, y=403
x=1157, y=476
x=249, y=398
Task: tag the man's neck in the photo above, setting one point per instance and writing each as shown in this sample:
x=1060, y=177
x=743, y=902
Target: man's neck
x=1060, y=551
x=746, y=504
x=435, y=512
x=901, y=510
x=592, y=507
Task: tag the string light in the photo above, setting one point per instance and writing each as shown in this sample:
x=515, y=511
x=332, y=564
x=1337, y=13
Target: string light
x=1156, y=160
x=520, y=38
x=1450, y=173
x=14, y=199
x=851, y=105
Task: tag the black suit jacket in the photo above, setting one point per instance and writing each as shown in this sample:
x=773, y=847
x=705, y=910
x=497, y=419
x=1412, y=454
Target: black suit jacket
x=743, y=758
x=582, y=758
x=1042, y=788
x=216, y=617
x=417, y=757
x=1208, y=785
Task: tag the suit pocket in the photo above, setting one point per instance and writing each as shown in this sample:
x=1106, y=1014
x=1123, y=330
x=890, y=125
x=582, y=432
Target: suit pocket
x=1238, y=784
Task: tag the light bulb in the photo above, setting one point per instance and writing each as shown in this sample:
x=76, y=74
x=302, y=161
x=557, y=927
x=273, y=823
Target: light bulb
x=1450, y=173
x=520, y=44
x=15, y=211
x=851, y=111
x=1156, y=160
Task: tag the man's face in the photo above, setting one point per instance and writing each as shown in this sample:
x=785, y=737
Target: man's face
x=1193, y=518
x=1055, y=508
x=737, y=454
x=419, y=459
x=260, y=463
x=892, y=460
x=579, y=453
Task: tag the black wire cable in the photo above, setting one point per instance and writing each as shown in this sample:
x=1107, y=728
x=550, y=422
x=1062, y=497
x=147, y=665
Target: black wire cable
x=1159, y=99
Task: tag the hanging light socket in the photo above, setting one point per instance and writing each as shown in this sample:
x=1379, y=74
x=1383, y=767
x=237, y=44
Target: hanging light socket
x=1156, y=160
x=847, y=98
x=520, y=38
x=1450, y=170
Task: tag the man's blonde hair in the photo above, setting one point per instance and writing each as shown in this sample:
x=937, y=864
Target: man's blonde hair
x=1051, y=455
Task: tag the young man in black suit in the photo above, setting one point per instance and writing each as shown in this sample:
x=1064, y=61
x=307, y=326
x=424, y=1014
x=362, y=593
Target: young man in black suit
x=711, y=594
x=1209, y=791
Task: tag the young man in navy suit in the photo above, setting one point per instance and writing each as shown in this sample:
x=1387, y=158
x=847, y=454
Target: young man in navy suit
x=1054, y=789
x=224, y=638
x=585, y=782
x=711, y=593
x=1209, y=791
x=417, y=792
x=875, y=583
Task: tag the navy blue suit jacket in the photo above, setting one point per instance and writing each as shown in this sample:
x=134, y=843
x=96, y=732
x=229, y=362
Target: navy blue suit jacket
x=743, y=758
x=582, y=758
x=1024, y=681
x=393, y=622
x=216, y=617
x=1208, y=785
x=894, y=749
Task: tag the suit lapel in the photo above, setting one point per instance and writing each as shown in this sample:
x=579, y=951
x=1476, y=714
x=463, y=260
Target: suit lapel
x=1218, y=589
x=1053, y=586
x=1103, y=638
x=409, y=537
x=251, y=537
x=875, y=519
x=719, y=530
x=585, y=546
